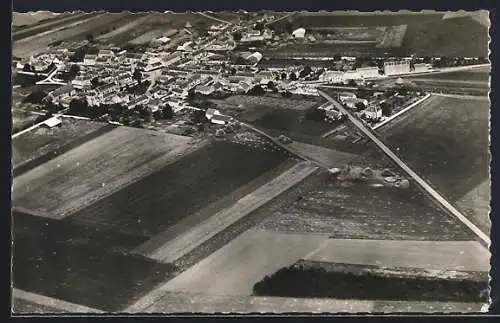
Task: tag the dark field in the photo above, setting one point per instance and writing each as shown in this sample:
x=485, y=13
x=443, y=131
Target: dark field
x=445, y=140
x=348, y=210
x=295, y=281
x=160, y=200
x=40, y=145
x=476, y=88
x=426, y=34
x=73, y=263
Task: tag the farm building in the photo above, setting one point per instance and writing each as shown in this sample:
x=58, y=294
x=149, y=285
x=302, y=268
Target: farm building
x=332, y=76
x=419, y=68
x=346, y=95
x=211, y=112
x=220, y=119
x=396, y=67
x=52, y=122
x=299, y=33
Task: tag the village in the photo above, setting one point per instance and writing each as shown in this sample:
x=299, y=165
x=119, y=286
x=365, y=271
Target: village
x=165, y=83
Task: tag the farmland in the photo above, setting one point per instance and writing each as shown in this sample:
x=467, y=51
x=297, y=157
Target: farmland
x=179, y=189
x=74, y=31
x=94, y=169
x=78, y=266
x=444, y=138
x=41, y=141
x=26, y=19
x=426, y=33
x=309, y=281
x=235, y=268
x=469, y=75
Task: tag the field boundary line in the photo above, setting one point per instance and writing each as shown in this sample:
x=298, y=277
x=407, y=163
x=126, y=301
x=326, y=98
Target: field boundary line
x=408, y=108
x=52, y=302
x=485, y=239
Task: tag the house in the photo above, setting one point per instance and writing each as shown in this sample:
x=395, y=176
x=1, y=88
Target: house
x=211, y=112
x=107, y=89
x=299, y=33
x=154, y=105
x=220, y=119
x=52, y=122
x=106, y=53
x=351, y=102
x=83, y=82
x=143, y=99
x=372, y=112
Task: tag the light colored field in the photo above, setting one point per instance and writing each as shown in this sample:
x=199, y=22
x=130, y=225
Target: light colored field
x=94, y=170
x=31, y=18
x=193, y=238
x=328, y=157
x=236, y=267
x=476, y=204
x=206, y=303
x=444, y=255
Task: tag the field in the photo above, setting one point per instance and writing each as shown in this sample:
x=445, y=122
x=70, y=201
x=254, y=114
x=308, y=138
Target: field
x=22, y=119
x=207, y=303
x=430, y=255
x=350, y=210
x=328, y=157
x=476, y=205
x=30, y=146
x=446, y=141
x=235, y=268
x=469, y=75
x=426, y=33
x=218, y=222
x=312, y=281
x=24, y=19
x=179, y=189
x=75, y=31
x=57, y=22
x=77, y=265
x=93, y=170
x=276, y=102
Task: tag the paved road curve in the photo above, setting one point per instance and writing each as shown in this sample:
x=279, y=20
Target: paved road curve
x=480, y=234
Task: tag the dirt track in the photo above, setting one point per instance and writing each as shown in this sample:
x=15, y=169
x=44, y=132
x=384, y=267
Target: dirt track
x=95, y=169
x=445, y=255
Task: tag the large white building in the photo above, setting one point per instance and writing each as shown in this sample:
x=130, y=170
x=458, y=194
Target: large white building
x=396, y=67
x=367, y=72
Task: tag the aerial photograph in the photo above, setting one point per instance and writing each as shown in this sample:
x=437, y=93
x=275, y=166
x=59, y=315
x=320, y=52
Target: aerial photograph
x=250, y=162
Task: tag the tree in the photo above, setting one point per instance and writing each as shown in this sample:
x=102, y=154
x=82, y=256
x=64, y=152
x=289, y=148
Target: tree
x=271, y=86
x=74, y=70
x=360, y=106
x=90, y=38
x=259, y=26
x=27, y=67
x=35, y=97
x=95, y=82
x=352, y=83
x=337, y=57
x=167, y=112
x=257, y=90
x=237, y=36
x=289, y=26
x=305, y=71
x=386, y=109
x=198, y=116
x=283, y=76
x=293, y=76
x=137, y=76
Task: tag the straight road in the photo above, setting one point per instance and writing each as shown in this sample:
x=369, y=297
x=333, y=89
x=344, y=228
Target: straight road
x=484, y=238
